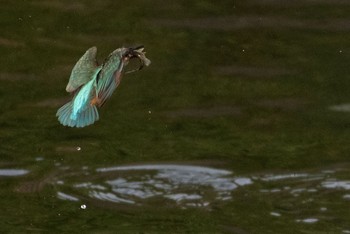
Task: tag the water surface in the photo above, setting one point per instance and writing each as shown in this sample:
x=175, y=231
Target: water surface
x=240, y=124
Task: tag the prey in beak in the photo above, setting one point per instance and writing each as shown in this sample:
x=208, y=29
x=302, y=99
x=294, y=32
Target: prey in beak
x=139, y=53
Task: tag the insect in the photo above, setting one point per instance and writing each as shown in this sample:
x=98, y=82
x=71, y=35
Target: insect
x=92, y=84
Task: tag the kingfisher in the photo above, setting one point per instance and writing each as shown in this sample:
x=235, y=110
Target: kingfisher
x=92, y=84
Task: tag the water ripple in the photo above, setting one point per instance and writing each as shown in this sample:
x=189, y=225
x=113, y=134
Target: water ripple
x=291, y=194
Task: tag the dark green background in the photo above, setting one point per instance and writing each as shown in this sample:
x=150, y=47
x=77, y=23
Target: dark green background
x=244, y=84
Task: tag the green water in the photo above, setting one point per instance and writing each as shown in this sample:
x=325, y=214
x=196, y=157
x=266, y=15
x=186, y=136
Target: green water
x=240, y=124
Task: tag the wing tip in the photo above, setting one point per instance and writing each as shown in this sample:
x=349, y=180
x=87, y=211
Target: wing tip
x=69, y=88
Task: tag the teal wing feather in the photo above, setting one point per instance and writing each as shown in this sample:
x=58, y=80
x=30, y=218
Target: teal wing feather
x=82, y=99
x=110, y=75
x=85, y=118
x=78, y=112
x=83, y=71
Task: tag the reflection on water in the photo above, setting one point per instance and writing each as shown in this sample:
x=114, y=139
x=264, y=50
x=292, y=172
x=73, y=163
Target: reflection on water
x=341, y=107
x=275, y=214
x=185, y=185
x=333, y=183
x=13, y=172
x=304, y=197
x=198, y=186
x=308, y=220
x=307, y=197
x=67, y=197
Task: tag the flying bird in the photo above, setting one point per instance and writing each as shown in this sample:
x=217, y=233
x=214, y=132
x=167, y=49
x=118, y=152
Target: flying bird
x=93, y=84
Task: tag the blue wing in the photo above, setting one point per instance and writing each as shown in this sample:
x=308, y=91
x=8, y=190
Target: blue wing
x=85, y=118
x=79, y=112
x=110, y=75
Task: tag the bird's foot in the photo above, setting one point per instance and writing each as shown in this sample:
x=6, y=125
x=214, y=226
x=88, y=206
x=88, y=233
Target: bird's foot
x=95, y=101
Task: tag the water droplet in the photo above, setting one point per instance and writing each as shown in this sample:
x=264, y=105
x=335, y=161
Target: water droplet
x=78, y=148
x=149, y=112
x=83, y=206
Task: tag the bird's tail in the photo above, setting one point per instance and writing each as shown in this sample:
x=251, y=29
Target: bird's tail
x=82, y=119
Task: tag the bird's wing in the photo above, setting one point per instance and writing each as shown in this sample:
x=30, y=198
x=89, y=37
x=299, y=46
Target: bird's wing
x=83, y=71
x=110, y=75
x=106, y=87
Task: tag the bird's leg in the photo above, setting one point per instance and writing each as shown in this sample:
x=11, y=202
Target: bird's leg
x=95, y=101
